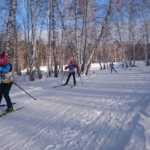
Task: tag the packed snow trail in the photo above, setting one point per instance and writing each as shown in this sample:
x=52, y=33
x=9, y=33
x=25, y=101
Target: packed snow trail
x=104, y=112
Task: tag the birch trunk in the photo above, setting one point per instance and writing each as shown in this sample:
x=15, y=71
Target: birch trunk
x=109, y=10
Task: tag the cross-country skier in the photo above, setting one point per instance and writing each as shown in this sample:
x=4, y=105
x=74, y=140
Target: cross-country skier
x=5, y=80
x=72, y=67
x=112, y=68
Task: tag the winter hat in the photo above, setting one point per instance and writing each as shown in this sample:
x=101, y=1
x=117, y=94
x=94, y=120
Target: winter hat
x=72, y=60
x=4, y=58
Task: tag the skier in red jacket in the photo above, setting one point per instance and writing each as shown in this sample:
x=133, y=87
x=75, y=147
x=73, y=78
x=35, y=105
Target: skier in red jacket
x=6, y=80
x=72, y=68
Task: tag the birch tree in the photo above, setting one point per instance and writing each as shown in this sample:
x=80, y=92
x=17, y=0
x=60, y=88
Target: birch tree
x=108, y=13
x=145, y=33
x=33, y=10
x=12, y=34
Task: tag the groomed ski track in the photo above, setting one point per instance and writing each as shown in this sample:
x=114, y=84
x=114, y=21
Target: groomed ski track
x=104, y=112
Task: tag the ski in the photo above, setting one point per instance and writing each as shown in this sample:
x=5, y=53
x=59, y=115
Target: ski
x=58, y=86
x=4, y=113
x=71, y=86
x=3, y=105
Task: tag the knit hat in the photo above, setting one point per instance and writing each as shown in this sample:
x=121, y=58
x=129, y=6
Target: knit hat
x=4, y=58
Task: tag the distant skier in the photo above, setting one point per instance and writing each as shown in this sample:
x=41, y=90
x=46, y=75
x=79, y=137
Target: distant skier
x=5, y=80
x=72, y=67
x=112, y=68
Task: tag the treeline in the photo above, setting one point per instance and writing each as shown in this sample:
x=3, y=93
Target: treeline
x=49, y=32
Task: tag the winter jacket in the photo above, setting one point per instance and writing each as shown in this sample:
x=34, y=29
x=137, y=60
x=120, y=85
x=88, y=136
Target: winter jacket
x=72, y=68
x=6, y=74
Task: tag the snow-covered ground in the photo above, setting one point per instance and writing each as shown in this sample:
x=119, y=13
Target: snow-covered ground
x=104, y=112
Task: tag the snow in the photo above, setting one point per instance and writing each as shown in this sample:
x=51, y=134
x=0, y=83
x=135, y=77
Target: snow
x=104, y=112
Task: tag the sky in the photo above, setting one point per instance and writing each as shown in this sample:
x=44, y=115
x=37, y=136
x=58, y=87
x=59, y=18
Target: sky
x=21, y=12
x=100, y=12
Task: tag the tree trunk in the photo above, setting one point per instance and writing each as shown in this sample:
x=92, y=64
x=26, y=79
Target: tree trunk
x=146, y=49
x=85, y=36
x=49, y=38
x=54, y=39
x=109, y=10
x=63, y=35
x=30, y=49
x=12, y=35
x=131, y=35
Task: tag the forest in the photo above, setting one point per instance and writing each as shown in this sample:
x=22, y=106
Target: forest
x=48, y=32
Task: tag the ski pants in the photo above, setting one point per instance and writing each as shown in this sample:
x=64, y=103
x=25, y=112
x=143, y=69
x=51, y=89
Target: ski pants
x=74, y=79
x=113, y=69
x=4, y=92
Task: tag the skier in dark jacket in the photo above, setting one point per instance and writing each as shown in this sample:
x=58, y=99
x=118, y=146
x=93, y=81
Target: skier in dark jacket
x=112, y=68
x=5, y=80
x=72, y=67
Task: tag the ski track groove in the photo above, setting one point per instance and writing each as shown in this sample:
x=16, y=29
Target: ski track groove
x=123, y=122
x=69, y=142
x=39, y=130
x=109, y=134
x=80, y=123
x=101, y=140
x=87, y=128
x=104, y=121
x=37, y=126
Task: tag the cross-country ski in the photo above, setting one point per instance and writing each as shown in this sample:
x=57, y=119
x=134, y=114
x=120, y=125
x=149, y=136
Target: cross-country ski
x=4, y=113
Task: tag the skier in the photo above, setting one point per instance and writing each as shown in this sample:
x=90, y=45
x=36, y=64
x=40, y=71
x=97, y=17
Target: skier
x=72, y=67
x=112, y=68
x=5, y=80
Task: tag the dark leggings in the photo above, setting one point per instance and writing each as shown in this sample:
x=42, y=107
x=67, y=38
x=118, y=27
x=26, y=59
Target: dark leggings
x=113, y=69
x=4, y=92
x=74, y=79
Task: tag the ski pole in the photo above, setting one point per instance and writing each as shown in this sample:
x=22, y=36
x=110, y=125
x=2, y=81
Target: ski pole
x=81, y=80
x=62, y=76
x=25, y=91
